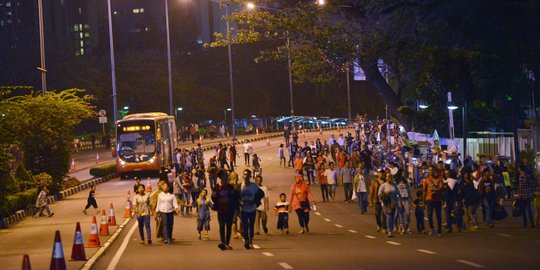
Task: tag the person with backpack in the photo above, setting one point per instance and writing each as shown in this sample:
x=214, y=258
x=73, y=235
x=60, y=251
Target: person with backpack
x=203, y=205
x=390, y=198
x=225, y=198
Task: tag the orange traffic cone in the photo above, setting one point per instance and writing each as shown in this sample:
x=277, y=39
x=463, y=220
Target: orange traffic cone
x=112, y=216
x=338, y=128
x=93, y=240
x=57, y=261
x=267, y=142
x=127, y=212
x=257, y=131
x=304, y=134
x=73, y=166
x=26, y=263
x=200, y=139
x=320, y=131
x=77, y=252
x=148, y=185
x=228, y=136
x=103, y=227
x=97, y=158
x=129, y=195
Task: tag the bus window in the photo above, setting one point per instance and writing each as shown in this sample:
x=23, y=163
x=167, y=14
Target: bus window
x=136, y=145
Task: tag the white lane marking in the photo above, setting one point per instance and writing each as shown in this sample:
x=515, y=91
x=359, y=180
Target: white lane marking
x=339, y=226
x=427, y=251
x=268, y=254
x=317, y=213
x=285, y=265
x=393, y=243
x=504, y=234
x=327, y=220
x=370, y=236
x=122, y=248
x=352, y=231
x=269, y=158
x=470, y=263
x=256, y=247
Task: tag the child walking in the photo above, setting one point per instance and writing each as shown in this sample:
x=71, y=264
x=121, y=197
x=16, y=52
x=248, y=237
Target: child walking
x=91, y=201
x=419, y=212
x=282, y=211
x=203, y=205
x=281, y=155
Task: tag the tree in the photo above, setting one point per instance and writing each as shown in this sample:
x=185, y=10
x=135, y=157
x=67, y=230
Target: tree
x=43, y=124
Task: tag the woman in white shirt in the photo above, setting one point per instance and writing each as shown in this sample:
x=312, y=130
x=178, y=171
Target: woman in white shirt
x=248, y=149
x=166, y=206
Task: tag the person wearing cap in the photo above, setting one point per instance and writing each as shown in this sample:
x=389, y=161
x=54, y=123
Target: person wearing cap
x=301, y=200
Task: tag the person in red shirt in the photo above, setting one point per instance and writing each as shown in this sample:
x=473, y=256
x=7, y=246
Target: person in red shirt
x=301, y=201
x=341, y=160
x=432, y=195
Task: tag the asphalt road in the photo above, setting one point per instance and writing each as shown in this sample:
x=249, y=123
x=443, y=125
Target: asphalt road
x=340, y=238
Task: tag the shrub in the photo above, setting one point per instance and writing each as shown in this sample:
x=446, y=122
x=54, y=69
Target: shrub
x=70, y=182
x=43, y=179
x=103, y=170
x=8, y=184
x=18, y=201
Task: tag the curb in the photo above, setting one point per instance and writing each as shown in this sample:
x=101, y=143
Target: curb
x=21, y=214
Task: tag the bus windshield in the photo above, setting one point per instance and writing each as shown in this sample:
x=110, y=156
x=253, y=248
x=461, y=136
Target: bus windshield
x=136, y=141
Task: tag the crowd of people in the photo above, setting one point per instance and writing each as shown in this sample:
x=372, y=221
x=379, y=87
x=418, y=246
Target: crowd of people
x=374, y=166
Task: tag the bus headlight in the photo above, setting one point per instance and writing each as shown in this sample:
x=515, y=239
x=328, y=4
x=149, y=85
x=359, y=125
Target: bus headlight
x=123, y=163
x=152, y=160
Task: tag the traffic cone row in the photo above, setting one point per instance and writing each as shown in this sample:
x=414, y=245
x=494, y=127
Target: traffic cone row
x=148, y=185
x=77, y=252
x=103, y=226
x=93, y=240
x=57, y=261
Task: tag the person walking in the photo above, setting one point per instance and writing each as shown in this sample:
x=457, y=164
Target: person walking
x=91, y=201
x=166, y=207
x=347, y=176
x=203, y=205
x=404, y=209
x=525, y=195
x=262, y=209
x=360, y=188
x=301, y=201
x=471, y=199
x=375, y=202
x=432, y=192
x=389, y=196
x=282, y=211
x=141, y=208
x=225, y=198
x=486, y=188
x=248, y=150
x=331, y=180
x=281, y=155
x=42, y=204
x=323, y=183
x=249, y=200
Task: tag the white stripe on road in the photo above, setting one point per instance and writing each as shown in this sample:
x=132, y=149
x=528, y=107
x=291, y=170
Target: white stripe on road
x=122, y=248
x=256, y=247
x=352, y=231
x=370, y=236
x=393, y=243
x=470, y=263
x=317, y=213
x=269, y=158
x=268, y=254
x=327, y=220
x=285, y=265
x=339, y=226
x=427, y=251
x=504, y=234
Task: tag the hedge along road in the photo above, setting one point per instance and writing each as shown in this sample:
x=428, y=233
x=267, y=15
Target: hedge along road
x=35, y=236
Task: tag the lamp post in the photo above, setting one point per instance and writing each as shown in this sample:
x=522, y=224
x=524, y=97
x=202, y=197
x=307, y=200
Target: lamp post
x=113, y=77
x=169, y=56
x=289, y=64
x=349, y=93
x=225, y=115
x=451, y=107
x=179, y=109
x=42, y=68
x=230, y=71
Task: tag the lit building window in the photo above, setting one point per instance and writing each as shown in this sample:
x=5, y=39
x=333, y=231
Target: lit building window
x=138, y=10
x=80, y=11
x=76, y=27
x=80, y=35
x=82, y=51
x=87, y=34
x=86, y=26
x=8, y=4
x=82, y=43
x=115, y=12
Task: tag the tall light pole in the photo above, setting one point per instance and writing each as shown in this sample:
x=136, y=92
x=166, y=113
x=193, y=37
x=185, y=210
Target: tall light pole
x=230, y=70
x=289, y=64
x=42, y=68
x=113, y=77
x=349, y=93
x=169, y=56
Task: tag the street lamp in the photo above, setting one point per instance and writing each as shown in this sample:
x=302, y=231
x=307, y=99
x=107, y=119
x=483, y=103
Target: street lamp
x=179, y=109
x=252, y=6
x=225, y=115
x=169, y=56
x=113, y=76
x=230, y=70
x=42, y=48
